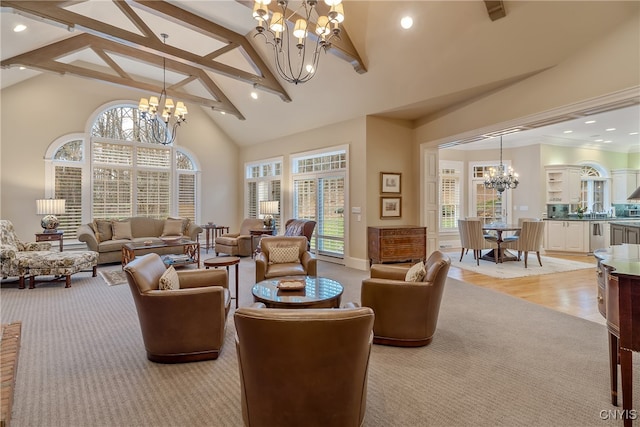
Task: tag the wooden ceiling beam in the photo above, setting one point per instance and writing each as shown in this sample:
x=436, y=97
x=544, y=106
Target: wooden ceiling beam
x=54, y=11
x=495, y=9
x=45, y=57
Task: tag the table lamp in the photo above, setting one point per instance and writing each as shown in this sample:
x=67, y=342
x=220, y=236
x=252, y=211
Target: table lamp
x=268, y=208
x=50, y=208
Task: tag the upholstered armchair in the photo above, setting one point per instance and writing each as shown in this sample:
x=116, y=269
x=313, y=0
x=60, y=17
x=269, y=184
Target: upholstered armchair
x=284, y=256
x=179, y=325
x=14, y=253
x=238, y=244
x=406, y=310
x=529, y=239
x=36, y=259
x=300, y=227
x=303, y=367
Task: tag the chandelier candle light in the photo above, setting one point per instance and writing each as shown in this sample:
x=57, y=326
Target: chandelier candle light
x=50, y=208
x=297, y=52
x=149, y=108
x=502, y=178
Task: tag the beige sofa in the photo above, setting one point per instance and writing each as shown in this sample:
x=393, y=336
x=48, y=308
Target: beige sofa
x=108, y=236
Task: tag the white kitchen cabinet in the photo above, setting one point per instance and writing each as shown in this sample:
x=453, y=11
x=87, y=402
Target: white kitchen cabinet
x=567, y=236
x=563, y=184
x=623, y=182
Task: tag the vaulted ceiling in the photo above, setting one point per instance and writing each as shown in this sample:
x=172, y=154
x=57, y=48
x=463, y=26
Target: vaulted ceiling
x=454, y=52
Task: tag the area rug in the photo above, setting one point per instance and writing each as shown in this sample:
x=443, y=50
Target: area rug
x=514, y=269
x=113, y=277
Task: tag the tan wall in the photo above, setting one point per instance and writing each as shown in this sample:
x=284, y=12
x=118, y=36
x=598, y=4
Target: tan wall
x=390, y=149
x=351, y=133
x=49, y=106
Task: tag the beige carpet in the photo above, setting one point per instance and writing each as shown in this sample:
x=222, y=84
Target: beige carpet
x=495, y=361
x=513, y=269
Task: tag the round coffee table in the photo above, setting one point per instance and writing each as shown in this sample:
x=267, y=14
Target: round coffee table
x=319, y=292
x=225, y=261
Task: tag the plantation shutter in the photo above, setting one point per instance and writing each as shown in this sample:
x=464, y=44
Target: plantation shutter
x=187, y=196
x=68, y=186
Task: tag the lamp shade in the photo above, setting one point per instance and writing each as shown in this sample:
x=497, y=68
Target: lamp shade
x=635, y=195
x=50, y=206
x=269, y=207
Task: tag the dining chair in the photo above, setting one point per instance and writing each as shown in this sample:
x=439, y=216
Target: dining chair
x=471, y=237
x=529, y=240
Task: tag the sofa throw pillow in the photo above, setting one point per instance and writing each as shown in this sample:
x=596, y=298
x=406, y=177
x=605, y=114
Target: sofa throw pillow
x=186, y=224
x=172, y=227
x=416, y=273
x=169, y=280
x=122, y=230
x=285, y=254
x=103, y=229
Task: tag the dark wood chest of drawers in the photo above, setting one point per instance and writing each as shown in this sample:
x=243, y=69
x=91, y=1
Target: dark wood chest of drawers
x=397, y=244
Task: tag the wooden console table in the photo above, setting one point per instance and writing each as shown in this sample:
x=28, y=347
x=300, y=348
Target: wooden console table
x=400, y=243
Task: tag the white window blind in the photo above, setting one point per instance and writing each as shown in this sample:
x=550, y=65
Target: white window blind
x=187, y=196
x=112, y=193
x=68, y=186
x=263, y=182
x=153, y=194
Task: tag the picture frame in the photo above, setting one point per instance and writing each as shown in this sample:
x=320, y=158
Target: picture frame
x=390, y=207
x=390, y=182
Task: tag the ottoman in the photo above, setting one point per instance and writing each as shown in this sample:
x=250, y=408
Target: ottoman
x=60, y=264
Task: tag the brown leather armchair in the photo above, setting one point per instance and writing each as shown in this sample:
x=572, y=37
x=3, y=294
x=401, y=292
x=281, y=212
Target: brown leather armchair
x=238, y=244
x=305, y=265
x=303, y=367
x=406, y=312
x=182, y=325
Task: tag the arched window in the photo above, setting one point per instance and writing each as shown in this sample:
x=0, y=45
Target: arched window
x=594, y=188
x=120, y=173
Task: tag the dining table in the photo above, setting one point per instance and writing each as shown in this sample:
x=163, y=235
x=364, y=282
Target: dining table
x=500, y=254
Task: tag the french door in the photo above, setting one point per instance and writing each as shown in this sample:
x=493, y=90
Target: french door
x=321, y=197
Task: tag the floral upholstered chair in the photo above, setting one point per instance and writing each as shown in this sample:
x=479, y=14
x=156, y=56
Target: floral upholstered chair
x=35, y=259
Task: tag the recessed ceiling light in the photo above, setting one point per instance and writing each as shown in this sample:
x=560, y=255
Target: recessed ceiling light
x=588, y=122
x=633, y=133
x=610, y=129
x=406, y=22
x=20, y=27
x=223, y=113
x=568, y=131
x=22, y=68
x=607, y=141
x=254, y=95
x=599, y=140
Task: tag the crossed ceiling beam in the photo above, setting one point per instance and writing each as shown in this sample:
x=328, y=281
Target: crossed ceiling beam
x=145, y=46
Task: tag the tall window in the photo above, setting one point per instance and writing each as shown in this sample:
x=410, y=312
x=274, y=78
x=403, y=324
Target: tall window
x=485, y=203
x=67, y=169
x=594, y=189
x=126, y=174
x=319, y=194
x=450, y=179
x=263, y=182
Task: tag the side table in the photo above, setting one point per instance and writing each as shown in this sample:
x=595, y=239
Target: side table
x=50, y=237
x=259, y=232
x=211, y=231
x=225, y=261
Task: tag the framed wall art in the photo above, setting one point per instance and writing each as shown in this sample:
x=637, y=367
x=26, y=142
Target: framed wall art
x=390, y=182
x=390, y=207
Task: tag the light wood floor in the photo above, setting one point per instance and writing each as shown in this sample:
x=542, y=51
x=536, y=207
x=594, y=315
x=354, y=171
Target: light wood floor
x=571, y=292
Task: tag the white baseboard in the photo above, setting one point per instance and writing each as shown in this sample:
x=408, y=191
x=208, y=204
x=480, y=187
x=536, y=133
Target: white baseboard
x=357, y=263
